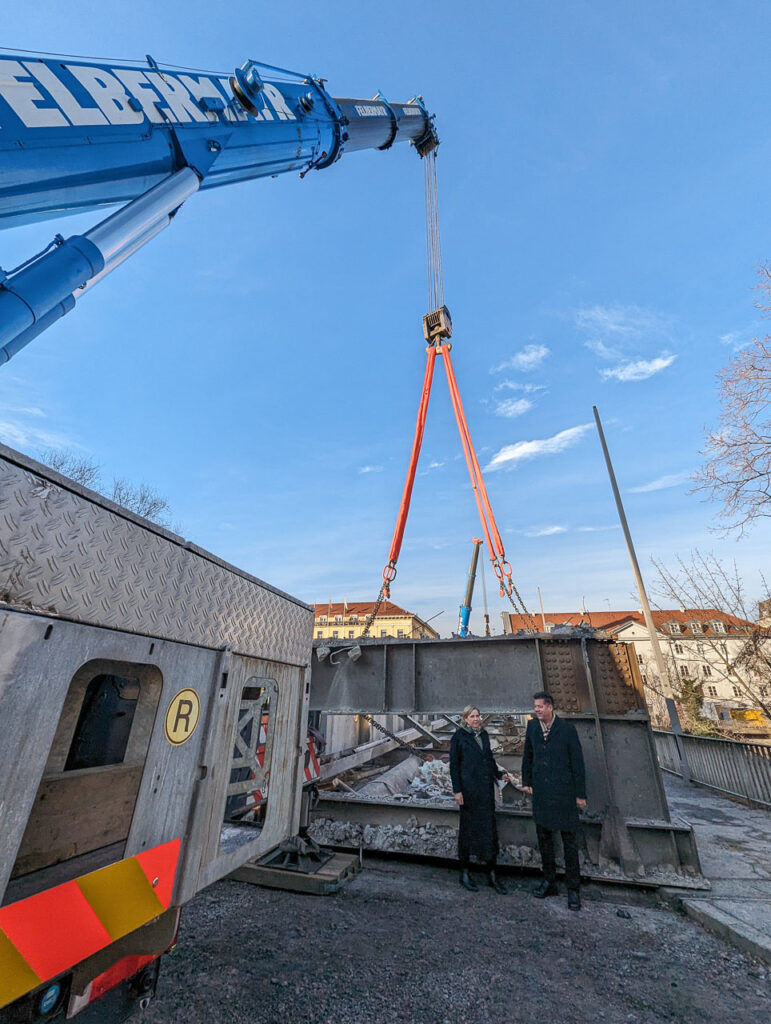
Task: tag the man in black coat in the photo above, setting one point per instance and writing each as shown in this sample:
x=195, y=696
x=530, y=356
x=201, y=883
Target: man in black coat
x=553, y=773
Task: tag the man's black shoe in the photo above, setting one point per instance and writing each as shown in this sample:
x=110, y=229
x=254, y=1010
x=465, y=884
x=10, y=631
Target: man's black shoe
x=468, y=882
x=574, y=900
x=544, y=889
x=495, y=883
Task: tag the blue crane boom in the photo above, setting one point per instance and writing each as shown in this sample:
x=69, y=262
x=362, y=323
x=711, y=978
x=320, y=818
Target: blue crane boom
x=78, y=135
x=465, y=608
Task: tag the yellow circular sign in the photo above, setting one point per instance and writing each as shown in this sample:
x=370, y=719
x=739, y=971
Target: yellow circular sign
x=182, y=716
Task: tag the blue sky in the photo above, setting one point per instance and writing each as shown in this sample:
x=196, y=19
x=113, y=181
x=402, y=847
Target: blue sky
x=604, y=203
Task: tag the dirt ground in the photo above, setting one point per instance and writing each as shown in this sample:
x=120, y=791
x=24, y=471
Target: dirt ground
x=403, y=942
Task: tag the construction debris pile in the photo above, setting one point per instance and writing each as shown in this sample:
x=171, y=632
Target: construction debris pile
x=432, y=782
x=411, y=837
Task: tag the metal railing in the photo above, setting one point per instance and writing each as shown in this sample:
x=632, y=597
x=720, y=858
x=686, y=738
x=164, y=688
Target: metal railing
x=740, y=770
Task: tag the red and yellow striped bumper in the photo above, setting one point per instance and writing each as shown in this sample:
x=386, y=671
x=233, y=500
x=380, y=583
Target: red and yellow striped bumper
x=46, y=934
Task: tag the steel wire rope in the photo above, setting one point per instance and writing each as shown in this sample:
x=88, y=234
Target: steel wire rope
x=293, y=75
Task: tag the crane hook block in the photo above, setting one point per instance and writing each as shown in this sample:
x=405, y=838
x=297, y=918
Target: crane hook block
x=247, y=86
x=437, y=324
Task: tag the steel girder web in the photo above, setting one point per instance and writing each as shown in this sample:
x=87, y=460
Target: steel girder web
x=627, y=830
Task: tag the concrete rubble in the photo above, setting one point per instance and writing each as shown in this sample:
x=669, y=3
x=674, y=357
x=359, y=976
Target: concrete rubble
x=432, y=782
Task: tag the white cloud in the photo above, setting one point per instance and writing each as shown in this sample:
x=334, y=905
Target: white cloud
x=515, y=385
x=512, y=407
x=435, y=465
x=598, y=529
x=640, y=369
x=371, y=469
x=26, y=436
x=602, y=350
x=619, y=321
x=662, y=483
x=546, y=531
x=511, y=454
x=528, y=358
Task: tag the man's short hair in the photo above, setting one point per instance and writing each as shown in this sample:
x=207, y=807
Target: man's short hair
x=543, y=695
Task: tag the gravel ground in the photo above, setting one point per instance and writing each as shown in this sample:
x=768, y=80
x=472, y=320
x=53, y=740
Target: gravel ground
x=403, y=942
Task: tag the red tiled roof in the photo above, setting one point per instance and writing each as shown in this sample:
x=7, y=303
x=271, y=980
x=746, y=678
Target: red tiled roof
x=360, y=608
x=614, y=621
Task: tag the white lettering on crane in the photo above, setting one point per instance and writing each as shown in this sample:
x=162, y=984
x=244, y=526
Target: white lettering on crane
x=140, y=88
x=203, y=88
x=180, y=102
x=75, y=113
x=108, y=92
x=23, y=97
x=161, y=97
x=368, y=110
x=278, y=102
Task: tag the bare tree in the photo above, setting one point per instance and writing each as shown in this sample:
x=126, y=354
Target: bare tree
x=741, y=658
x=78, y=468
x=737, y=467
x=142, y=500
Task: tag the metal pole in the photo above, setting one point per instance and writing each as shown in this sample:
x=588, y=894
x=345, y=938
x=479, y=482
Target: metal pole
x=657, y=653
x=540, y=602
x=677, y=730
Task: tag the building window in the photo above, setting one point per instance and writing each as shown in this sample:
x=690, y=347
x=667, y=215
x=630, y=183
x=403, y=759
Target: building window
x=384, y=632
x=322, y=620
x=400, y=632
x=353, y=619
x=674, y=628
x=717, y=626
x=737, y=691
x=338, y=620
x=684, y=671
x=763, y=691
x=335, y=634
x=644, y=679
x=350, y=634
x=695, y=627
x=706, y=670
x=319, y=633
x=712, y=691
x=678, y=648
x=639, y=659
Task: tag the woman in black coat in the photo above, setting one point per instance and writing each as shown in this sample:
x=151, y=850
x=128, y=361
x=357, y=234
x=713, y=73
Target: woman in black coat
x=473, y=773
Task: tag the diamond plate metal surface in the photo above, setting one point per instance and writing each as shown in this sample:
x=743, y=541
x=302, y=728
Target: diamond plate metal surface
x=65, y=552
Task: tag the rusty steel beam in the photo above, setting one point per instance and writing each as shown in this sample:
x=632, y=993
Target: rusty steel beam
x=595, y=683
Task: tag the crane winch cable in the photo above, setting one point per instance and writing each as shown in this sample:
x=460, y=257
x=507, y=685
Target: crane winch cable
x=437, y=330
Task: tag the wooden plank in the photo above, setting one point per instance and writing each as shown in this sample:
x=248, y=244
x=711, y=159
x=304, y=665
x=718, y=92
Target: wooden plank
x=76, y=812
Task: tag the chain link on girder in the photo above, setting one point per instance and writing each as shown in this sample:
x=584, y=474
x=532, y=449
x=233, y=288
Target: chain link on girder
x=402, y=743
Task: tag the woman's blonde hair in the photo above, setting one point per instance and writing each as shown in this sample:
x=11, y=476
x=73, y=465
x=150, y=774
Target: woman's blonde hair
x=467, y=711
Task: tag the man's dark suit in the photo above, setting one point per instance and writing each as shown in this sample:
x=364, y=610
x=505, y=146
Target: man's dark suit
x=554, y=767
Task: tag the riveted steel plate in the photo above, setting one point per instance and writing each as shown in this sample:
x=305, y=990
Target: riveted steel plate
x=68, y=552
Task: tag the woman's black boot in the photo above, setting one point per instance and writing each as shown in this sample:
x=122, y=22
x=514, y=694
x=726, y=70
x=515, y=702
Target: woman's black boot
x=495, y=883
x=468, y=882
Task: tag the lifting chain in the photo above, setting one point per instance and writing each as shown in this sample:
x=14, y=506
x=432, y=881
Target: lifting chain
x=402, y=743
